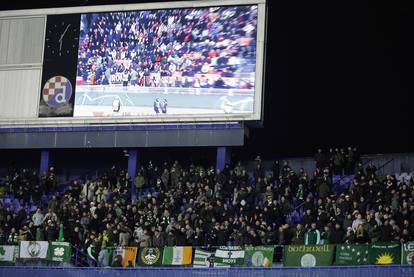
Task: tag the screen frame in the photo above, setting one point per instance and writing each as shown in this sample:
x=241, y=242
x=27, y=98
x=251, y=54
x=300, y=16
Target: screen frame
x=259, y=74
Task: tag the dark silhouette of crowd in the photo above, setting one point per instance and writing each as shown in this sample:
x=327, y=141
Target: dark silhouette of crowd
x=174, y=47
x=201, y=206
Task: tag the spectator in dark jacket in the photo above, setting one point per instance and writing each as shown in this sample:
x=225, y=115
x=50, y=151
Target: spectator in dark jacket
x=338, y=234
x=386, y=232
x=321, y=160
x=158, y=239
x=180, y=237
x=51, y=231
x=308, y=218
x=298, y=236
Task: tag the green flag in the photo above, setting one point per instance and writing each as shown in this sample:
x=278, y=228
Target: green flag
x=407, y=255
x=149, y=256
x=385, y=253
x=202, y=258
x=259, y=256
x=61, y=237
x=308, y=255
x=351, y=254
x=59, y=251
x=227, y=256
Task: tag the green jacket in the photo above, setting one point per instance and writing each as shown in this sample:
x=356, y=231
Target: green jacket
x=312, y=237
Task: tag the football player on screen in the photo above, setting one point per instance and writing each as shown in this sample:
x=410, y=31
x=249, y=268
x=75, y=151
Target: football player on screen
x=157, y=106
x=125, y=78
x=116, y=105
x=163, y=105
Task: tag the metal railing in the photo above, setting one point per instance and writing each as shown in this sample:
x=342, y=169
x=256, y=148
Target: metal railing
x=385, y=164
x=345, y=176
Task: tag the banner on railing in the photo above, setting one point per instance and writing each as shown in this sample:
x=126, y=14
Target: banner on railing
x=202, y=258
x=128, y=255
x=407, y=255
x=150, y=256
x=351, y=254
x=177, y=255
x=385, y=253
x=59, y=251
x=8, y=253
x=258, y=256
x=227, y=256
x=33, y=249
x=308, y=255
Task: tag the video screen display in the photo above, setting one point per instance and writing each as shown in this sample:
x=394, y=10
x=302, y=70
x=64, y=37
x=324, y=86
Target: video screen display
x=192, y=61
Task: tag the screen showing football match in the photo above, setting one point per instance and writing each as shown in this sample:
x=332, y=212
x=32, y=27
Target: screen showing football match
x=192, y=61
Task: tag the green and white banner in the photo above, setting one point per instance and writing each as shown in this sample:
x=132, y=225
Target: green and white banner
x=227, y=256
x=59, y=251
x=407, y=255
x=8, y=253
x=385, y=253
x=308, y=255
x=202, y=258
x=33, y=249
x=259, y=256
x=351, y=254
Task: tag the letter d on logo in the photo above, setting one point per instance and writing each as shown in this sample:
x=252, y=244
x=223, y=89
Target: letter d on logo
x=60, y=97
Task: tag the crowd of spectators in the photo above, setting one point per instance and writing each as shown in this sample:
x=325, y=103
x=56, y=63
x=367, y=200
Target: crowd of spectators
x=201, y=206
x=200, y=47
x=338, y=160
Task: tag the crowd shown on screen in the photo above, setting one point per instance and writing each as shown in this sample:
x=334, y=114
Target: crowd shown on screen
x=201, y=206
x=203, y=47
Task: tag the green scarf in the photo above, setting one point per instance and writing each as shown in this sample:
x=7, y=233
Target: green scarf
x=61, y=238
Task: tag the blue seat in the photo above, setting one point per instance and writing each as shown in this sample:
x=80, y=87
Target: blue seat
x=6, y=201
x=33, y=208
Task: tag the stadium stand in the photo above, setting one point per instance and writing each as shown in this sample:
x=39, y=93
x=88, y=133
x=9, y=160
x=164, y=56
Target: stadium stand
x=202, y=207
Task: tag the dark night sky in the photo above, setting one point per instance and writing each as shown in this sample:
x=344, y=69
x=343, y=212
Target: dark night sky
x=338, y=74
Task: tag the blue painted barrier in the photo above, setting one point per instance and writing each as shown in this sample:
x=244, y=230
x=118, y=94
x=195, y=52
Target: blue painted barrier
x=331, y=271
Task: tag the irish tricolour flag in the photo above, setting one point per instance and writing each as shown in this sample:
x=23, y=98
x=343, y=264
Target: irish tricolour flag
x=128, y=254
x=178, y=255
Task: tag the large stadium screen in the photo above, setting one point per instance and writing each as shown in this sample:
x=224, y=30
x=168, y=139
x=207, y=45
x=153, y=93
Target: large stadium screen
x=187, y=61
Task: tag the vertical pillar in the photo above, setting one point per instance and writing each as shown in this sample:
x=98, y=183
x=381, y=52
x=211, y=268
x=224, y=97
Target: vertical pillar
x=132, y=170
x=228, y=156
x=223, y=157
x=44, y=162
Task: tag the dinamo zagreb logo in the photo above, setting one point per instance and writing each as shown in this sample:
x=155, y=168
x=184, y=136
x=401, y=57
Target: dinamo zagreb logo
x=150, y=256
x=57, y=91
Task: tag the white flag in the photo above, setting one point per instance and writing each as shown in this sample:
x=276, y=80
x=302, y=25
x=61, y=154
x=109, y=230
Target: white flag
x=7, y=253
x=230, y=253
x=229, y=256
x=33, y=249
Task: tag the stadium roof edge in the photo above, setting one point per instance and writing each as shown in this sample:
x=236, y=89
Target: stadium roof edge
x=126, y=7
